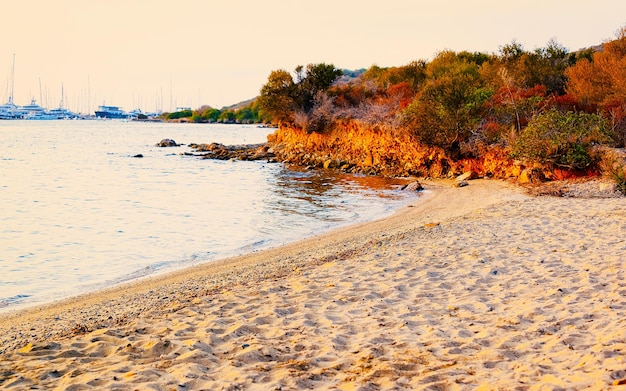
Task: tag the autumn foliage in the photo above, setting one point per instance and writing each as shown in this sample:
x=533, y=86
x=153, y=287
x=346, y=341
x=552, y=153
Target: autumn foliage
x=495, y=114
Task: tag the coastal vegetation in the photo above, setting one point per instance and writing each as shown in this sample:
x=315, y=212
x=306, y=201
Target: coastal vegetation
x=245, y=113
x=549, y=111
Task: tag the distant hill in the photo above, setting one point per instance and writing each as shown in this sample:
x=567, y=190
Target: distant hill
x=240, y=105
x=352, y=74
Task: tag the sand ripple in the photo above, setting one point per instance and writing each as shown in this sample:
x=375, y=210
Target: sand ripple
x=511, y=293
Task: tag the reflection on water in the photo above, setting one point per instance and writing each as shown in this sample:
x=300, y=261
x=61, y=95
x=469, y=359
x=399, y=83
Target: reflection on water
x=331, y=196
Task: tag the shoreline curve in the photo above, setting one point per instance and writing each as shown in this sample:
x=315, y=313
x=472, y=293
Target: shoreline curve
x=479, y=286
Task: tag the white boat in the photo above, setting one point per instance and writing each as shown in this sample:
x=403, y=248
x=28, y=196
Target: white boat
x=32, y=111
x=10, y=110
x=62, y=113
x=35, y=112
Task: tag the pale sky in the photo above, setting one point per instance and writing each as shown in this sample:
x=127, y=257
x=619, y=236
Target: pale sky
x=162, y=54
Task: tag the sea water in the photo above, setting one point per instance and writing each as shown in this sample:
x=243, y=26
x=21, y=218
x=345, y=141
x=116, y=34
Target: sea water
x=79, y=212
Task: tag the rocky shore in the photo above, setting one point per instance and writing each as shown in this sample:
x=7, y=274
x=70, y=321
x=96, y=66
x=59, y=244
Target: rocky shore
x=234, y=152
x=532, y=179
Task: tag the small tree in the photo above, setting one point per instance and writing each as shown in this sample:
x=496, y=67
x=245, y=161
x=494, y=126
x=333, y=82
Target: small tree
x=227, y=117
x=211, y=115
x=277, y=97
x=281, y=97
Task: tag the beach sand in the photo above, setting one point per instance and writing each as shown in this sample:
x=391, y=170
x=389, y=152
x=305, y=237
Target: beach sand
x=480, y=287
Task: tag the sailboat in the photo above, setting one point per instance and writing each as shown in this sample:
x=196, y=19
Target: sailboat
x=10, y=110
x=61, y=112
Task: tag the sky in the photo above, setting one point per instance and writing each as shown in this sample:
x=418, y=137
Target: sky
x=159, y=55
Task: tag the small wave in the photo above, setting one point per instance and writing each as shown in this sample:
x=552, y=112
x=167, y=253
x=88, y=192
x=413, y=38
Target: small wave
x=160, y=267
x=12, y=300
x=255, y=246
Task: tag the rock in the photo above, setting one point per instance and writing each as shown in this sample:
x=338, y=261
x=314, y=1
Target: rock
x=413, y=186
x=534, y=175
x=461, y=183
x=166, y=142
x=331, y=163
x=235, y=152
x=138, y=155
x=263, y=152
x=466, y=176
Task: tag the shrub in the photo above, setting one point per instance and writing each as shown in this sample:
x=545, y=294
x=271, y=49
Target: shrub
x=614, y=167
x=561, y=139
x=179, y=114
x=619, y=176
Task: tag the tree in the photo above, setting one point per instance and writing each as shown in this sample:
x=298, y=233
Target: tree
x=227, y=117
x=318, y=78
x=544, y=66
x=281, y=97
x=246, y=115
x=277, y=97
x=211, y=115
x=446, y=110
x=413, y=73
x=601, y=83
x=547, y=67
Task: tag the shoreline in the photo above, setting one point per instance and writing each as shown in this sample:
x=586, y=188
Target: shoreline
x=475, y=286
x=218, y=273
x=230, y=257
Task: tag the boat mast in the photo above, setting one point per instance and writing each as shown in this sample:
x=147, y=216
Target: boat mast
x=12, y=81
x=62, y=97
x=40, y=93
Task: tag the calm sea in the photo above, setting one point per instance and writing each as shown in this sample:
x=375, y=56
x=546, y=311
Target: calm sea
x=79, y=212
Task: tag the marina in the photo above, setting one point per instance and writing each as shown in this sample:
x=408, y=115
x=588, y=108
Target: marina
x=34, y=111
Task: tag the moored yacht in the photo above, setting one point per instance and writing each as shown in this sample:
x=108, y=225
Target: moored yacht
x=62, y=113
x=10, y=110
x=35, y=112
x=111, y=112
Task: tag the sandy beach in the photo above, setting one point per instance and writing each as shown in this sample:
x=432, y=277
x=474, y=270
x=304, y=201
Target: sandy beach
x=480, y=287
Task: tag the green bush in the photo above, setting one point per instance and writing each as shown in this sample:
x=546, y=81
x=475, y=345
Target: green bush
x=179, y=114
x=619, y=176
x=615, y=168
x=561, y=139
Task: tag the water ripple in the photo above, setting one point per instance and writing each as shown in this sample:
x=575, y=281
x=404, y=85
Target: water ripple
x=84, y=214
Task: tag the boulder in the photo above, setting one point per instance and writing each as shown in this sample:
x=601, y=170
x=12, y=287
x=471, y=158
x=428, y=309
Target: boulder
x=167, y=142
x=413, y=186
x=466, y=176
x=533, y=175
